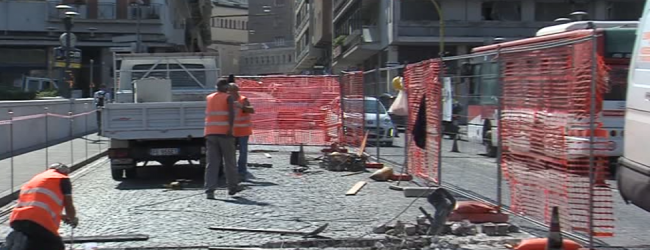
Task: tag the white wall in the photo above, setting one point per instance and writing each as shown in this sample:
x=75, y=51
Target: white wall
x=30, y=133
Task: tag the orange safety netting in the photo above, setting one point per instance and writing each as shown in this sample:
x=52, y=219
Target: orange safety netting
x=352, y=108
x=545, y=113
x=423, y=80
x=293, y=110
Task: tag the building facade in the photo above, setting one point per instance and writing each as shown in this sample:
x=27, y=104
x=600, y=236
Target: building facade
x=270, y=21
x=371, y=33
x=229, y=29
x=313, y=36
x=272, y=58
x=31, y=29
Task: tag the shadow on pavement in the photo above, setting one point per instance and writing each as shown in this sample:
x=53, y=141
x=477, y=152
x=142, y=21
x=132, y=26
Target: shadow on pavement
x=157, y=177
x=244, y=201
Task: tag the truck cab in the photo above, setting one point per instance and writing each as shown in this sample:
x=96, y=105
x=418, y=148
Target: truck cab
x=633, y=175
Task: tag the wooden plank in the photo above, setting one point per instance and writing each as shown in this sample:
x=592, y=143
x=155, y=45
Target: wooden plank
x=355, y=189
x=362, y=148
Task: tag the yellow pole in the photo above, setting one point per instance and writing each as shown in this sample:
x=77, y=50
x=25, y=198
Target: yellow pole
x=442, y=27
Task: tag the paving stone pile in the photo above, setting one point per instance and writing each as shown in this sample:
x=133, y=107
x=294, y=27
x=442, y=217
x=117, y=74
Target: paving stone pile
x=454, y=236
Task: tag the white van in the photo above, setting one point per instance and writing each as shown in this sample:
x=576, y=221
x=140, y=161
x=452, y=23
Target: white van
x=633, y=175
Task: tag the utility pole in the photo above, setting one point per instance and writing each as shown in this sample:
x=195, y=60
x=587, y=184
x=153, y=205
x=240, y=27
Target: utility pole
x=138, y=40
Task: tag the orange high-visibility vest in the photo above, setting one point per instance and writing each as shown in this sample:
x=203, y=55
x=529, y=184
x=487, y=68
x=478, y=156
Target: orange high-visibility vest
x=216, y=114
x=243, y=123
x=41, y=201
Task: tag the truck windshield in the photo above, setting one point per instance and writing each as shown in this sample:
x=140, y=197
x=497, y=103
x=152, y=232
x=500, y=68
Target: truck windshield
x=189, y=76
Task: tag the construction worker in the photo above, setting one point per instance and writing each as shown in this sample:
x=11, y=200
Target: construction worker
x=220, y=142
x=101, y=97
x=243, y=128
x=35, y=219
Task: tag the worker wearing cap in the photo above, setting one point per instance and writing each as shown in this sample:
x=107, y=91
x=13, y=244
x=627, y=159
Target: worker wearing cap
x=220, y=142
x=36, y=218
x=243, y=128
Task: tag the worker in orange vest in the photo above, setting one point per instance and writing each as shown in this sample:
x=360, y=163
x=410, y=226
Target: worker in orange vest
x=243, y=128
x=36, y=218
x=220, y=142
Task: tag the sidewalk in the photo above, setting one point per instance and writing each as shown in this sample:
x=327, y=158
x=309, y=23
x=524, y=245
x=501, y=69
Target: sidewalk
x=26, y=165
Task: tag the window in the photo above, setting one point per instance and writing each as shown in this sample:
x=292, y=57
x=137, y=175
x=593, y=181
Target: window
x=181, y=79
x=289, y=58
x=549, y=11
x=501, y=11
x=414, y=10
x=624, y=11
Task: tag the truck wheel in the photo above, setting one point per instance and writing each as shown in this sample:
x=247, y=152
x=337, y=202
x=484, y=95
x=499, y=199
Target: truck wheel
x=131, y=173
x=117, y=174
x=490, y=151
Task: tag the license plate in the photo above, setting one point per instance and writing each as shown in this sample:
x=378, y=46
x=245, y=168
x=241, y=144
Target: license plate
x=164, y=151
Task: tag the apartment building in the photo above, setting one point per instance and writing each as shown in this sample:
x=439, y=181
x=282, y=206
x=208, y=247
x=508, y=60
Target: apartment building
x=368, y=33
x=270, y=58
x=30, y=30
x=313, y=36
x=270, y=21
x=271, y=49
x=229, y=28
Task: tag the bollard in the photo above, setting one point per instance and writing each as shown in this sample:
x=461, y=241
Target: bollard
x=47, y=137
x=71, y=138
x=11, y=148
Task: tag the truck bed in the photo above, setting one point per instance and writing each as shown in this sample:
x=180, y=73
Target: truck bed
x=152, y=121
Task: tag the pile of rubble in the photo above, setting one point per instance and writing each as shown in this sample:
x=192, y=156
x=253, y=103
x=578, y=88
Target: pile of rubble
x=455, y=236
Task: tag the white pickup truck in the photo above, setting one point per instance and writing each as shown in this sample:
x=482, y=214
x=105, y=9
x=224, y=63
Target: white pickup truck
x=159, y=110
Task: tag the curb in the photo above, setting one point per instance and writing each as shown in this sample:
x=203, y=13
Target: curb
x=8, y=198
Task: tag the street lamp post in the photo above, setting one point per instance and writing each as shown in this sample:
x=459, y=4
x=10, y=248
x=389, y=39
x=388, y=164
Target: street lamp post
x=68, y=44
x=138, y=41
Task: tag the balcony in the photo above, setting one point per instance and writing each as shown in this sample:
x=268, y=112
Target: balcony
x=108, y=11
x=465, y=31
x=358, y=46
x=266, y=46
x=307, y=58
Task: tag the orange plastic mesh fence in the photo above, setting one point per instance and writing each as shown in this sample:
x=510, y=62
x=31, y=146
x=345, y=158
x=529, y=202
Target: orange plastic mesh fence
x=544, y=131
x=421, y=80
x=354, y=120
x=293, y=110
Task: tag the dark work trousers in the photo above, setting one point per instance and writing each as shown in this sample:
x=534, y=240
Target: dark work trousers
x=220, y=153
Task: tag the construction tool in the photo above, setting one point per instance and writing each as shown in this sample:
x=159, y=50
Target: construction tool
x=71, y=237
x=313, y=234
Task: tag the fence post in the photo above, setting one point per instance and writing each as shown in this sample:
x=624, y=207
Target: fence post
x=378, y=125
x=11, y=148
x=71, y=138
x=47, y=136
x=86, y=128
x=499, y=127
x=592, y=128
x=441, y=69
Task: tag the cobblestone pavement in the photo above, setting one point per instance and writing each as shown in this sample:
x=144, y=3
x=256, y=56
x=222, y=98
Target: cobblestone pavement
x=475, y=173
x=277, y=198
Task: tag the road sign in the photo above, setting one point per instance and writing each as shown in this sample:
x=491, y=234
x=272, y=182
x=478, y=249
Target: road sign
x=73, y=40
x=60, y=56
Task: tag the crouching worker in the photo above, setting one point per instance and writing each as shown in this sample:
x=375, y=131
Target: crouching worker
x=36, y=218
